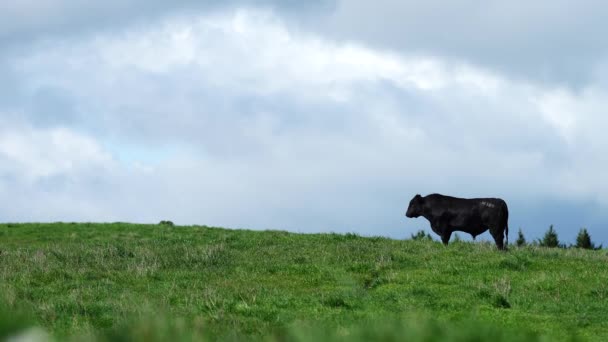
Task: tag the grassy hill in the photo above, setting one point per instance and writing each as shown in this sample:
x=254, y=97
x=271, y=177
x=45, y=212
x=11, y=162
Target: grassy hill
x=157, y=282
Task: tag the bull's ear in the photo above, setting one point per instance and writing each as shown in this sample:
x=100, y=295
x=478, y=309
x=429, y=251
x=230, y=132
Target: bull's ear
x=418, y=196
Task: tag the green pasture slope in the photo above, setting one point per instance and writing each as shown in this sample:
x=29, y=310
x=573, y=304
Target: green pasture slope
x=121, y=281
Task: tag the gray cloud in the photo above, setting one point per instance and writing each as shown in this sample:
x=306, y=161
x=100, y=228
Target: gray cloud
x=545, y=41
x=24, y=21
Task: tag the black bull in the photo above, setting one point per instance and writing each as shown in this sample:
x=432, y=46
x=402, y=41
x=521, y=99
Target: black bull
x=474, y=216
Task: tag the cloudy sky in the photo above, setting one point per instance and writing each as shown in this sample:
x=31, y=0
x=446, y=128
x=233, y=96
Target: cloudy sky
x=303, y=116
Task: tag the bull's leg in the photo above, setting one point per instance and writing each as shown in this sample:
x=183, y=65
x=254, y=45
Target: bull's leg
x=445, y=236
x=498, y=235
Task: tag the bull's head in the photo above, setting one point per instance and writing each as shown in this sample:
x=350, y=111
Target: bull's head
x=415, y=207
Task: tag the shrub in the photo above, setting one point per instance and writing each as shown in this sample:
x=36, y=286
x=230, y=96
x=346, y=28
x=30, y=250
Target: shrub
x=166, y=223
x=421, y=235
x=521, y=240
x=550, y=239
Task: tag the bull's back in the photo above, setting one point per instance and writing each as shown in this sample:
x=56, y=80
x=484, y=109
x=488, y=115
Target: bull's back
x=456, y=203
x=464, y=206
x=473, y=211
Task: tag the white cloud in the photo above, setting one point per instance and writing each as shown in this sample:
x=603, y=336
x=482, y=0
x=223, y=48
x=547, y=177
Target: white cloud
x=251, y=51
x=557, y=107
x=51, y=174
x=33, y=154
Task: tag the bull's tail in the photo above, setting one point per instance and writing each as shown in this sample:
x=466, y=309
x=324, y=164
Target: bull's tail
x=506, y=226
x=507, y=235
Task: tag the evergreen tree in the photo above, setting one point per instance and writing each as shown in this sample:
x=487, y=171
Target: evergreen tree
x=583, y=240
x=421, y=235
x=521, y=240
x=550, y=239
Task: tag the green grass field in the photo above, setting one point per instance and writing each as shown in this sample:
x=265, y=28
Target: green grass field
x=151, y=282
